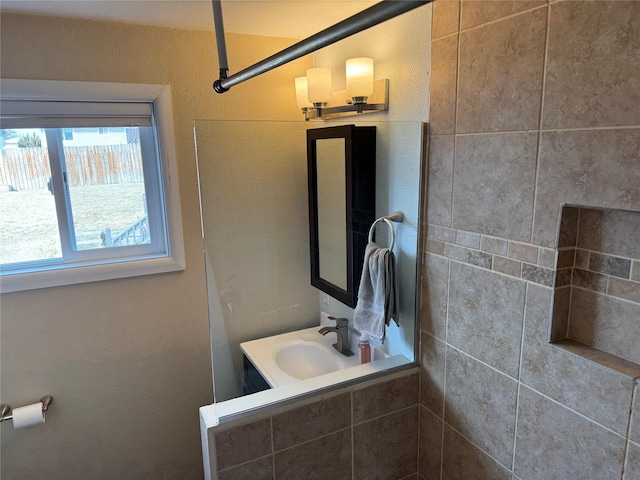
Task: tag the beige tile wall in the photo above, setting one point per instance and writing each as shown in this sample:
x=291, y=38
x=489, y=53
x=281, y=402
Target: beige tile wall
x=362, y=432
x=533, y=104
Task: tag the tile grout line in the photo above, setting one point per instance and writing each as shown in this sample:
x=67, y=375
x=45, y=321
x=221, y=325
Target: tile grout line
x=435, y=414
x=312, y=440
x=419, y=428
x=444, y=403
x=353, y=447
x=455, y=112
x=536, y=265
x=244, y=463
x=482, y=362
x=623, y=257
x=477, y=446
x=444, y=373
x=273, y=448
x=540, y=119
x=539, y=247
x=497, y=272
x=501, y=19
x=387, y=414
x=515, y=428
x=541, y=130
x=608, y=295
x=582, y=415
x=634, y=393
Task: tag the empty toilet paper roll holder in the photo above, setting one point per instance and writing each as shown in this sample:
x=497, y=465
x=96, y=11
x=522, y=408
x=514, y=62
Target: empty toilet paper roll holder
x=5, y=409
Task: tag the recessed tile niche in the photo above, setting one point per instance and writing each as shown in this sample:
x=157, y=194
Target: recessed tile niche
x=596, y=312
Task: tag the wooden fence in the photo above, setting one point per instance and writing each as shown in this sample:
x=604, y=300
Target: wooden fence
x=28, y=168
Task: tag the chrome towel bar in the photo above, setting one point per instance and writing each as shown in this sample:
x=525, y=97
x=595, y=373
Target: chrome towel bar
x=394, y=217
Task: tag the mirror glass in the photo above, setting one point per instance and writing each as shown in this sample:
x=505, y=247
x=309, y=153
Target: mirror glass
x=255, y=218
x=332, y=207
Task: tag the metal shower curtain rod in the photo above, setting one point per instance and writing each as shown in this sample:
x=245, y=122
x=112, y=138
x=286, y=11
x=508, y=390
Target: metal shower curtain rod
x=378, y=13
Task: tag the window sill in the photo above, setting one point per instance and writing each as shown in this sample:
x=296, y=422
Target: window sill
x=74, y=274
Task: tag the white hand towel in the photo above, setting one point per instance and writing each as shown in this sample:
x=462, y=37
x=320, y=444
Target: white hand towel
x=369, y=315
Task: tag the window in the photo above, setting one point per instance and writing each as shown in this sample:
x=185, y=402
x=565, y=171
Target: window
x=84, y=192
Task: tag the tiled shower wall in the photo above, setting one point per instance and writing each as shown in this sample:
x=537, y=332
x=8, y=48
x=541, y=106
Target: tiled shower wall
x=533, y=104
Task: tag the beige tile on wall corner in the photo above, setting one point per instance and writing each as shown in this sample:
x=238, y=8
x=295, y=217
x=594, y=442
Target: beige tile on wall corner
x=481, y=404
x=310, y=421
x=386, y=447
x=606, y=323
x=635, y=271
x=568, y=235
x=592, y=65
x=500, y=77
x=610, y=231
x=331, y=455
x=444, y=73
x=571, y=445
x=463, y=461
x=477, y=12
x=261, y=469
x=385, y=397
x=486, y=315
x=494, y=181
x=432, y=368
x=634, y=429
x=440, y=179
x=242, y=444
x=596, y=168
x=594, y=391
x=632, y=466
x=430, y=448
x=446, y=18
x=434, y=295
x=560, y=313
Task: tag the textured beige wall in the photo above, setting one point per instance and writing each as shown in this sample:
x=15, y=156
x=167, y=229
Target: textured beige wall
x=253, y=177
x=128, y=361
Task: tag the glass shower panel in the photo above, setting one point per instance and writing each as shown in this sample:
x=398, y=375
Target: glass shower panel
x=255, y=219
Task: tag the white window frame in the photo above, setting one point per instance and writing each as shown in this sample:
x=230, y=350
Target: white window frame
x=124, y=267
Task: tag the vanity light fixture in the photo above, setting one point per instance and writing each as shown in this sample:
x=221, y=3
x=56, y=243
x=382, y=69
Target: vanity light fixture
x=362, y=95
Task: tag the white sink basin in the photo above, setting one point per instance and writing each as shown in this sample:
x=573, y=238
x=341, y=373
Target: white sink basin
x=290, y=357
x=302, y=359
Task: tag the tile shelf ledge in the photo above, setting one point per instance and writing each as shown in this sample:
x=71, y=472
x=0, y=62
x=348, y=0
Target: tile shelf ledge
x=604, y=359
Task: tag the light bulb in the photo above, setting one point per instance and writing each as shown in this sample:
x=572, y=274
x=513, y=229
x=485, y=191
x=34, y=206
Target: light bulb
x=302, y=96
x=319, y=85
x=359, y=78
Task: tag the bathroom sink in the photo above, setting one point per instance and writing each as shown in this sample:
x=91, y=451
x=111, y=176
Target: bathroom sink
x=302, y=359
x=301, y=355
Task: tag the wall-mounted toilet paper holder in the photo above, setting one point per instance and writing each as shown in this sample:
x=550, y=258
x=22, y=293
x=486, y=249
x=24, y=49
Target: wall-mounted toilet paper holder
x=5, y=408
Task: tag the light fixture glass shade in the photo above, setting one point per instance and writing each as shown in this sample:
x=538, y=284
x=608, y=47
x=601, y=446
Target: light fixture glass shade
x=319, y=84
x=359, y=77
x=302, y=95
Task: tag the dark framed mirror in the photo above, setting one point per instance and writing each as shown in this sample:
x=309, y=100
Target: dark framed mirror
x=341, y=165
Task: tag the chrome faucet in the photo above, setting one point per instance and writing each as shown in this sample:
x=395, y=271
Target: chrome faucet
x=342, y=330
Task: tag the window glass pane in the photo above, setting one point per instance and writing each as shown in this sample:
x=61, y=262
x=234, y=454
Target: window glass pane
x=28, y=221
x=106, y=188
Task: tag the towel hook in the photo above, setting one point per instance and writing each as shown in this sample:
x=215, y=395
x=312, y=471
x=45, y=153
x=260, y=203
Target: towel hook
x=394, y=217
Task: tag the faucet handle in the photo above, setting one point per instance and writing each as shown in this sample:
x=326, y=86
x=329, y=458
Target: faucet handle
x=340, y=322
